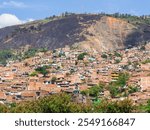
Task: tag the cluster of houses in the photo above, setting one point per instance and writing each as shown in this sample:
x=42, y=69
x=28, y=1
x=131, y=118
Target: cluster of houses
x=67, y=73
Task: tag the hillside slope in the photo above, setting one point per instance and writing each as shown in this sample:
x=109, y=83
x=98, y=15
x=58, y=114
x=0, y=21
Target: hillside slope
x=90, y=31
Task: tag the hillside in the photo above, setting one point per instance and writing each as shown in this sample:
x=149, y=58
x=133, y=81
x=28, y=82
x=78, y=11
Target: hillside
x=90, y=31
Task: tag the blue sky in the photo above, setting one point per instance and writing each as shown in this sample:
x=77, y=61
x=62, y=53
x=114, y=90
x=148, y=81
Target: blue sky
x=38, y=9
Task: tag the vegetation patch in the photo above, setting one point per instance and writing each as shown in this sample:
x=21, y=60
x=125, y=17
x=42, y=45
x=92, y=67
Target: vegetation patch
x=62, y=103
x=81, y=56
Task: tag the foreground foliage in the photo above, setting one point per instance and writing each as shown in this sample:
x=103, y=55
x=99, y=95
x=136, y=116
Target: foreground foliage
x=62, y=103
x=125, y=106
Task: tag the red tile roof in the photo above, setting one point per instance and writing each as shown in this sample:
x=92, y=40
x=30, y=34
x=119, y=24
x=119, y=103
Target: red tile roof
x=2, y=95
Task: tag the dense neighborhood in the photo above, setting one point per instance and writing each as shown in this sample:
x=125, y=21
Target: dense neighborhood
x=85, y=75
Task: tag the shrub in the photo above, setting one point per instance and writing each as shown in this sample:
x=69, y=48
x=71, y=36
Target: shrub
x=133, y=89
x=117, y=61
x=30, y=53
x=117, y=54
x=33, y=74
x=146, y=61
x=104, y=56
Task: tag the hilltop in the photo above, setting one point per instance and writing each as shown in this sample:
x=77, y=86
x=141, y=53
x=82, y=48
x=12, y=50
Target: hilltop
x=89, y=31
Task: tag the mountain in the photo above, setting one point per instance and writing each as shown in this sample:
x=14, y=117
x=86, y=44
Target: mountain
x=90, y=31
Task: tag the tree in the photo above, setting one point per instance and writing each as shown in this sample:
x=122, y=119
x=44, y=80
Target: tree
x=125, y=106
x=3, y=108
x=5, y=55
x=143, y=48
x=43, y=49
x=114, y=90
x=122, y=79
x=43, y=70
x=95, y=91
x=133, y=89
x=117, y=61
x=104, y=56
x=117, y=54
x=60, y=103
x=53, y=80
x=30, y=53
x=81, y=56
x=148, y=106
x=85, y=92
x=117, y=87
x=63, y=103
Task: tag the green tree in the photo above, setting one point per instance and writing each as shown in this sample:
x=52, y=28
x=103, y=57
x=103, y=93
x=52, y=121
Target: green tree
x=5, y=55
x=147, y=108
x=30, y=53
x=117, y=54
x=63, y=103
x=122, y=79
x=85, y=92
x=43, y=70
x=95, y=91
x=117, y=87
x=125, y=106
x=3, y=108
x=43, y=50
x=60, y=103
x=117, y=61
x=53, y=80
x=104, y=56
x=133, y=89
x=114, y=90
x=81, y=56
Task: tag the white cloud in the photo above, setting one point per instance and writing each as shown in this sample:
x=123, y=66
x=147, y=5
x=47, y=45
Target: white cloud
x=14, y=4
x=30, y=20
x=27, y=21
x=9, y=20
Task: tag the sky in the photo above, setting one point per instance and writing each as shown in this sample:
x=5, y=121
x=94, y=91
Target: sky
x=20, y=11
